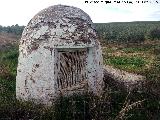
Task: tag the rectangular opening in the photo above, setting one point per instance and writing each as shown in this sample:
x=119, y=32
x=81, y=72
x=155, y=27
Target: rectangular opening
x=71, y=67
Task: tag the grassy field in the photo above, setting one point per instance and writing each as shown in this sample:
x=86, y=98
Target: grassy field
x=141, y=58
x=135, y=58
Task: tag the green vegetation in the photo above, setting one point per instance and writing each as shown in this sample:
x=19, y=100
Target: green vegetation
x=133, y=47
x=155, y=33
x=136, y=58
x=132, y=32
x=14, y=29
x=8, y=63
x=130, y=63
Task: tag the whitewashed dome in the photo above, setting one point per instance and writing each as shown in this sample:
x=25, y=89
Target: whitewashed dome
x=59, y=54
x=60, y=26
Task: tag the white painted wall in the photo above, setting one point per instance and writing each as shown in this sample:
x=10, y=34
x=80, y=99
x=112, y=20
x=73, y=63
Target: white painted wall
x=48, y=31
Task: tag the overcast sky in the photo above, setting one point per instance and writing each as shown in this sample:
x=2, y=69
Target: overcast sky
x=21, y=11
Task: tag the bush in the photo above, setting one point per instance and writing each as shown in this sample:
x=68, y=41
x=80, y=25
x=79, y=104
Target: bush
x=131, y=37
x=155, y=34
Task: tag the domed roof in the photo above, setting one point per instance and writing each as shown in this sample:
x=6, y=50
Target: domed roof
x=60, y=26
x=52, y=13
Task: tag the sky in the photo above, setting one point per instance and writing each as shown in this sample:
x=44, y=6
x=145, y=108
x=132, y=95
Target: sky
x=21, y=11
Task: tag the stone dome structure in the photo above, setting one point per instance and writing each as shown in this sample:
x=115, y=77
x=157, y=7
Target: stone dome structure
x=59, y=54
x=63, y=26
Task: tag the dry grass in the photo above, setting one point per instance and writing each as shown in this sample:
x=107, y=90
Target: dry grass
x=127, y=108
x=144, y=51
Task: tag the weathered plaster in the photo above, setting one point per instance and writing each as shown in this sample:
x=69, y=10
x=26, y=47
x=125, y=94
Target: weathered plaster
x=53, y=30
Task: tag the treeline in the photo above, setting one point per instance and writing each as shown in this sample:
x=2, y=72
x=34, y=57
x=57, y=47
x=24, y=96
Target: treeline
x=113, y=32
x=14, y=29
x=128, y=31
